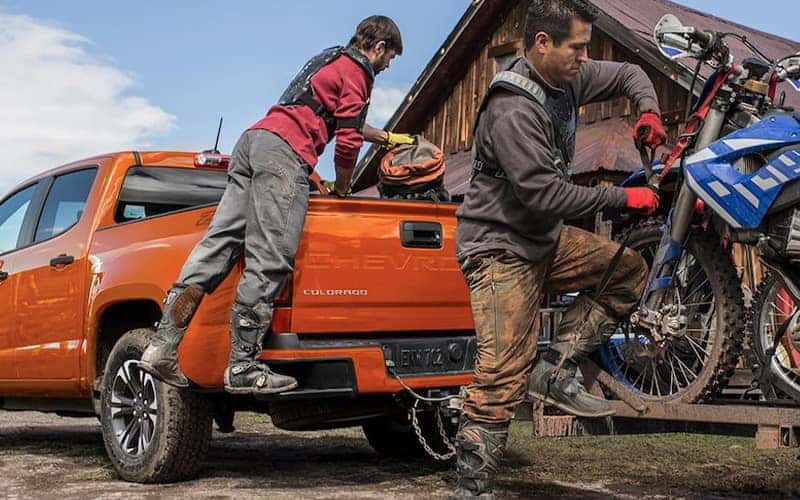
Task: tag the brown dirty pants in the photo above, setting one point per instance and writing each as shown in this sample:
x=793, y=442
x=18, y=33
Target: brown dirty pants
x=506, y=292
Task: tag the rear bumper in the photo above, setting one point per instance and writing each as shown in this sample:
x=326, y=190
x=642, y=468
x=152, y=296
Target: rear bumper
x=330, y=367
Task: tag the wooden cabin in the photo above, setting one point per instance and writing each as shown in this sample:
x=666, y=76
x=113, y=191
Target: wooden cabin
x=443, y=102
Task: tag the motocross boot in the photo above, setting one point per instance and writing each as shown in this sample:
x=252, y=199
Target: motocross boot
x=160, y=359
x=580, y=332
x=479, y=448
x=245, y=373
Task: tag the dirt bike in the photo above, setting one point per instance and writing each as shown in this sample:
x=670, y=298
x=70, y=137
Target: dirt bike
x=733, y=177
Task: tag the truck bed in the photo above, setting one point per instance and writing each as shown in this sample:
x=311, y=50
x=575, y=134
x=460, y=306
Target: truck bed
x=372, y=278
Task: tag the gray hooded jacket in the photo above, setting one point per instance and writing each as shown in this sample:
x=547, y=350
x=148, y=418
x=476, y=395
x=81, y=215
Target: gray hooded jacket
x=525, y=213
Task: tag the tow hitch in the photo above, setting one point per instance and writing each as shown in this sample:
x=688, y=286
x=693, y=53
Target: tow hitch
x=445, y=403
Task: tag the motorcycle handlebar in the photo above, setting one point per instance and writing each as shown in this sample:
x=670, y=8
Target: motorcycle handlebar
x=692, y=40
x=704, y=38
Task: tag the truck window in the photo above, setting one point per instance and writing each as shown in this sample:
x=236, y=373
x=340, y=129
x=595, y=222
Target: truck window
x=12, y=215
x=151, y=191
x=64, y=204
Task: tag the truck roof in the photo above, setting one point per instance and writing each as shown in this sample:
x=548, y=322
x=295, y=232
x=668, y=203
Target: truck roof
x=153, y=158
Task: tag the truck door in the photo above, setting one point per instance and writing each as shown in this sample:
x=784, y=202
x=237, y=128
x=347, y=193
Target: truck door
x=51, y=284
x=13, y=212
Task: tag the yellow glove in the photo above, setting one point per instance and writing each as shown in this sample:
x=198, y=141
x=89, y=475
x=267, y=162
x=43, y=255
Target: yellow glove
x=334, y=192
x=397, y=139
x=331, y=186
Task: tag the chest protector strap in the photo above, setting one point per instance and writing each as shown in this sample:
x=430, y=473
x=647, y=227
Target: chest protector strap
x=517, y=84
x=301, y=92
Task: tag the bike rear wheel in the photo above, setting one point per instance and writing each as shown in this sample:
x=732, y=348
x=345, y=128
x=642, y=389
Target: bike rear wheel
x=777, y=351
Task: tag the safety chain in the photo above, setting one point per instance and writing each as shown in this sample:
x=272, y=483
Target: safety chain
x=415, y=423
x=440, y=425
x=417, y=396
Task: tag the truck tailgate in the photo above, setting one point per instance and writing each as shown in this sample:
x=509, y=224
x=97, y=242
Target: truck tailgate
x=378, y=266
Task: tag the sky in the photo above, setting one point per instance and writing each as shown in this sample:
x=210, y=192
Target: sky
x=83, y=77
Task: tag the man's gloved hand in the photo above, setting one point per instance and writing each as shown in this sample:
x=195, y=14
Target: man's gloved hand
x=398, y=139
x=642, y=198
x=650, y=130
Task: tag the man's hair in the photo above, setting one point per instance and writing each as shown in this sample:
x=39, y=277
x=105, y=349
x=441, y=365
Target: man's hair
x=376, y=29
x=554, y=17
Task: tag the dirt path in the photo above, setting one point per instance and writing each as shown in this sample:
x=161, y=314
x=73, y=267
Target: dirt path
x=49, y=456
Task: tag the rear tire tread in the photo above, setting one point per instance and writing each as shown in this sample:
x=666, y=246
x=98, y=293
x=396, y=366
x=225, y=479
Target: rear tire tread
x=777, y=389
x=184, y=419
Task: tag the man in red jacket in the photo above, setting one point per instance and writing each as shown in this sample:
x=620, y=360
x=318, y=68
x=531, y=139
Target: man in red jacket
x=262, y=212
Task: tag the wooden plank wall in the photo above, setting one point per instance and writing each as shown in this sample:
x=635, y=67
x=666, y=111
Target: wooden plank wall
x=450, y=127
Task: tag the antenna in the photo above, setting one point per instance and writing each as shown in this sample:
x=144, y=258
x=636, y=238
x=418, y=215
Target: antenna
x=219, y=131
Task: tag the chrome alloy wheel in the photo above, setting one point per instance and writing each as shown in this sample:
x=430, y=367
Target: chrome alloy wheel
x=134, y=408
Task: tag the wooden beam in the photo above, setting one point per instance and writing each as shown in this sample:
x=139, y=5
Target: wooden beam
x=504, y=49
x=724, y=414
x=606, y=107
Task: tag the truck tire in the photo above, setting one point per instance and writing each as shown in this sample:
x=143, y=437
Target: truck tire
x=153, y=432
x=394, y=436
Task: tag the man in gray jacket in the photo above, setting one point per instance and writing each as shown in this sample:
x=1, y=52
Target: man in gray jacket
x=513, y=245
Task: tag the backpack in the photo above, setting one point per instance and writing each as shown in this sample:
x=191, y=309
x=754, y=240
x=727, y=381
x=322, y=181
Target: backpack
x=413, y=172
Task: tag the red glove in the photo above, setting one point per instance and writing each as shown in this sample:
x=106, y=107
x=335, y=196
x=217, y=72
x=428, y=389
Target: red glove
x=650, y=122
x=642, y=198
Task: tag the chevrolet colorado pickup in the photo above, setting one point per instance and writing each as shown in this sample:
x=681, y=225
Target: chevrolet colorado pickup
x=375, y=311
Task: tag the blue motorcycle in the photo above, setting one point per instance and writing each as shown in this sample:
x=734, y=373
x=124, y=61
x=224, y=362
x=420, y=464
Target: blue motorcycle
x=734, y=177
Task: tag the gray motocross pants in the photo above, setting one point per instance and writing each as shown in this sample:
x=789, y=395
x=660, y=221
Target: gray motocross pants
x=261, y=214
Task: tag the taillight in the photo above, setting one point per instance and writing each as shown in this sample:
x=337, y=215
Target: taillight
x=212, y=160
x=284, y=297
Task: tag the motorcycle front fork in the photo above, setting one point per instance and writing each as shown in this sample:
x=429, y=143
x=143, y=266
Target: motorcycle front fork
x=651, y=312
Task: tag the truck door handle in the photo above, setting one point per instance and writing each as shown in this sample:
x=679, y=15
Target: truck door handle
x=421, y=234
x=3, y=275
x=62, y=260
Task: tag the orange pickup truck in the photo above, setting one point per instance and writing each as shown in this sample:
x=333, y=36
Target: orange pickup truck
x=376, y=306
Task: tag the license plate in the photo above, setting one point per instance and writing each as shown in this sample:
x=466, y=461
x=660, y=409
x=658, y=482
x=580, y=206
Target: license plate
x=431, y=356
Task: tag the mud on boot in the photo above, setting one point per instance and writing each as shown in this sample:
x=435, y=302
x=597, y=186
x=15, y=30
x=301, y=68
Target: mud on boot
x=160, y=359
x=245, y=373
x=479, y=448
x=565, y=392
x=582, y=329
